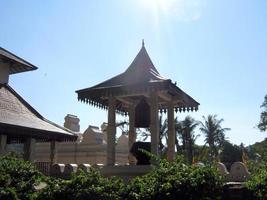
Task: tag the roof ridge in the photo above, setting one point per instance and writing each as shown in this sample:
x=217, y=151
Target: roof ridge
x=33, y=110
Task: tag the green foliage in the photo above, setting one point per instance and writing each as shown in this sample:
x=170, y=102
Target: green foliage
x=172, y=180
x=54, y=189
x=167, y=181
x=17, y=178
x=258, y=183
x=81, y=186
x=214, y=134
x=185, y=130
x=230, y=154
x=263, y=120
x=8, y=194
x=258, y=151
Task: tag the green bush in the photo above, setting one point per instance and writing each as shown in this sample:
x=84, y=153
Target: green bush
x=8, y=194
x=257, y=185
x=17, y=178
x=81, y=186
x=176, y=180
x=167, y=181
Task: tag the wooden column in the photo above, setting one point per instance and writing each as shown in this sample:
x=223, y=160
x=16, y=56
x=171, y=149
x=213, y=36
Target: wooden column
x=132, y=134
x=53, y=152
x=171, y=133
x=29, y=149
x=111, y=132
x=3, y=142
x=154, y=124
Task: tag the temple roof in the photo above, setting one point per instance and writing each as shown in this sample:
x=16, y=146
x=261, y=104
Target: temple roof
x=20, y=119
x=139, y=78
x=141, y=70
x=17, y=64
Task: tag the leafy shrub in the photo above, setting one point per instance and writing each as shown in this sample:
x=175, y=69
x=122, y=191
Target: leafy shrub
x=8, y=194
x=258, y=184
x=175, y=180
x=81, y=186
x=167, y=181
x=17, y=178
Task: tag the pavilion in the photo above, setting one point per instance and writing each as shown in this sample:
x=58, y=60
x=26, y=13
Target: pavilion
x=141, y=93
x=20, y=123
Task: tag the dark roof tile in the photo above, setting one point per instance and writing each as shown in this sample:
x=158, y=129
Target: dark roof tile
x=17, y=64
x=16, y=112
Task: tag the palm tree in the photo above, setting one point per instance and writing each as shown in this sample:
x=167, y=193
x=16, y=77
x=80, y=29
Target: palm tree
x=163, y=134
x=178, y=134
x=185, y=130
x=214, y=134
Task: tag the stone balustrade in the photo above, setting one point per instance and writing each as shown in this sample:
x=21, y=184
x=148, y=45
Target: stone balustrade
x=57, y=170
x=238, y=171
x=84, y=167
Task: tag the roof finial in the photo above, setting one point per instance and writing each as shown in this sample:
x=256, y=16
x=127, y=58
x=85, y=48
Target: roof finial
x=143, y=42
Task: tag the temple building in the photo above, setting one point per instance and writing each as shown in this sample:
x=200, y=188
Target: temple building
x=140, y=93
x=21, y=126
x=90, y=147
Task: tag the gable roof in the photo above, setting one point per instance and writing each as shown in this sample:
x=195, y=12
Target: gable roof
x=18, y=118
x=17, y=64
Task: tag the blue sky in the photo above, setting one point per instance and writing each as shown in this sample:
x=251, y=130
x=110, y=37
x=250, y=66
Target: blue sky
x=215, y=50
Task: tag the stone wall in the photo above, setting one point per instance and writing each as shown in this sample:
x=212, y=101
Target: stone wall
x=89, y=148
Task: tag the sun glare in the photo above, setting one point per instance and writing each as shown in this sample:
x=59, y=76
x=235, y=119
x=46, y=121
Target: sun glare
x=182, y=10
x=156, y=5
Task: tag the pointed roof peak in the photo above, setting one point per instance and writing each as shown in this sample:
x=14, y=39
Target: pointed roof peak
x=142, y=60
x=140, y=70
x=142, y=67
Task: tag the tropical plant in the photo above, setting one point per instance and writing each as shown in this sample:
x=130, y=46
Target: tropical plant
x=178, y=134
x=185, y=131
x=258, y=183
x=83, y=185
x=175, y=180
x=214, y=134
x=17, y=178
x=231, y=153
x=263, y=120
x=167, y=181
x=163, y=134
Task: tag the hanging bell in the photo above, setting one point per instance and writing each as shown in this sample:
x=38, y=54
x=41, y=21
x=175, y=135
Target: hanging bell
x=142, y=114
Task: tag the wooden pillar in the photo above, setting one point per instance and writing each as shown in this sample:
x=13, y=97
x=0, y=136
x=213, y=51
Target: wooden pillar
x=132, y=134
x=154, y=124
x=29, y=149
x=171, y=133
x=53, y=152
x=111, y=133
x=3, y=142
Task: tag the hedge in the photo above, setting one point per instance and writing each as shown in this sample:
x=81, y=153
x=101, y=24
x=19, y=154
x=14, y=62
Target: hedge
x=168, y=181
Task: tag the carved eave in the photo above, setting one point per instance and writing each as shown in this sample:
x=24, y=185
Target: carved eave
x=126, y=96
